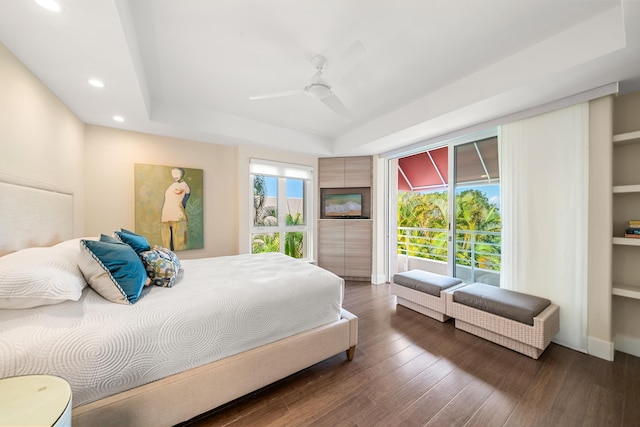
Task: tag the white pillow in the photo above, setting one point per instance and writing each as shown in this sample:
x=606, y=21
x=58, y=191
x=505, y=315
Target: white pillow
x=40, y=276
x=73, y=244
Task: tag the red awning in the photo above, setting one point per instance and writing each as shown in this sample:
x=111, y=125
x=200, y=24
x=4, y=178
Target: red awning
x=424, y=171
x=476, y=162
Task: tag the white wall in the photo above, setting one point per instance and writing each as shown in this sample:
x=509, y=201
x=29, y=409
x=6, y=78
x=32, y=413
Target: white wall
x=109, y=180
x=40, y=138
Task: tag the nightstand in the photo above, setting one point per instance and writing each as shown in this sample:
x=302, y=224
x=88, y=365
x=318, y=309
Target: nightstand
x=35, y=400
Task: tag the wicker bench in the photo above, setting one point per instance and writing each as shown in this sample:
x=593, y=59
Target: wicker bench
x=521, y=322
x=423, y=292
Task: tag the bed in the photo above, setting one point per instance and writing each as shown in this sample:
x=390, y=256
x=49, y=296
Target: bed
x=228, y=326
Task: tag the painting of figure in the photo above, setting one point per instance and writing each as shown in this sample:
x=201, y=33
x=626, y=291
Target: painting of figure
x=169, y=206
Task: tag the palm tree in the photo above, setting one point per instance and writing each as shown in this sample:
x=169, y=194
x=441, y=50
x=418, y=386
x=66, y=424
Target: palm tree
x=265, y=215
x=259, y=199
x=425, y=211
x=294, y=240
x=267, y=242
x=474, y=212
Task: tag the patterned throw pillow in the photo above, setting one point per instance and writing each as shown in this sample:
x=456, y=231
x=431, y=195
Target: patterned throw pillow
x=162, y=266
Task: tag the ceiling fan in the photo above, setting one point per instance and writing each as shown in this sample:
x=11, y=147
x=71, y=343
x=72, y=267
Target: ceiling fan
x=318, y=87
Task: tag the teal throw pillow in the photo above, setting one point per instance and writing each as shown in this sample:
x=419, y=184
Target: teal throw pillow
x=113, y=269
x=136, y=241
x=108, y=239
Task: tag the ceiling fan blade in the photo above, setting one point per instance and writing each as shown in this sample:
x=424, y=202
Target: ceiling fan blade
x=277, y=94
x=347, y=61
x=337, y=106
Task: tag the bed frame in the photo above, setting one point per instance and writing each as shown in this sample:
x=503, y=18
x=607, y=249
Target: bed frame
x=39, y=214
x=183, y=396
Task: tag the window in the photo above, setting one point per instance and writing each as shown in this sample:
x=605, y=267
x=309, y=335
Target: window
x=477, y=239
x=280, y=197
x=451, y=229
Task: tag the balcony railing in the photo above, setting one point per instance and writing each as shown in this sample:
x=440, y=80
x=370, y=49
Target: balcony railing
x=475, y=250
x=428, y=243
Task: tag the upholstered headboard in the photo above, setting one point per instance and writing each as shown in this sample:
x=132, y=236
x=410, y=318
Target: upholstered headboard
x=33, y=214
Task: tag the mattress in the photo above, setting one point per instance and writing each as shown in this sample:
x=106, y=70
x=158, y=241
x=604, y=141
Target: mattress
x=219, y=307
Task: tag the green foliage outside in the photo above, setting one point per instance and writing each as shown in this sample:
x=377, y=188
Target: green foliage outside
x=293, y=240
x=474, y=212
x=264, y=215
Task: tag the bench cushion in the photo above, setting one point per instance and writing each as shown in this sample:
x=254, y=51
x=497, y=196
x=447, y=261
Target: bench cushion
x=423, y=281
x=501, y=302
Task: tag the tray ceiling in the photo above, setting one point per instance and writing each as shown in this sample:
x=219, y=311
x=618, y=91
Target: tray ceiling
x=188, y=68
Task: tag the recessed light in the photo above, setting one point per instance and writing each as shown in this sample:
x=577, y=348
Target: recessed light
x=51, y=5
x=118, y=118
x=96, y=83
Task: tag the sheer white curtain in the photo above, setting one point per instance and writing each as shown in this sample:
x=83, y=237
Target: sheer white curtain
x=544, y=195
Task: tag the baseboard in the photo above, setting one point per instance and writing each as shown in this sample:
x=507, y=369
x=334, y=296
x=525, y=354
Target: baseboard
x=628, y=345
x=378, y=279
x=599, y=348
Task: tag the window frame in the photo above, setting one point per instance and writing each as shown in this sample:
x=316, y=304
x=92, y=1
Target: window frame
x=282, y=172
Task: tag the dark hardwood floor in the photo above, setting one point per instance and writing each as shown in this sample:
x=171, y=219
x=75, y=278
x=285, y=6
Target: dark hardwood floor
x=410, y=370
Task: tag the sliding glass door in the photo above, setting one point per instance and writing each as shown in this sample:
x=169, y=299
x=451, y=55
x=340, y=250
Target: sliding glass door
x=447, y=206
x=475, y=230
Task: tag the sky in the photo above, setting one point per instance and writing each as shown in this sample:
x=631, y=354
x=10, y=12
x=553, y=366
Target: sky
x=492, y=192
x=294, y=187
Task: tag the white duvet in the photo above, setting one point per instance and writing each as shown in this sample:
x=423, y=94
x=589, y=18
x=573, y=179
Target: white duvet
x=219, y=307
